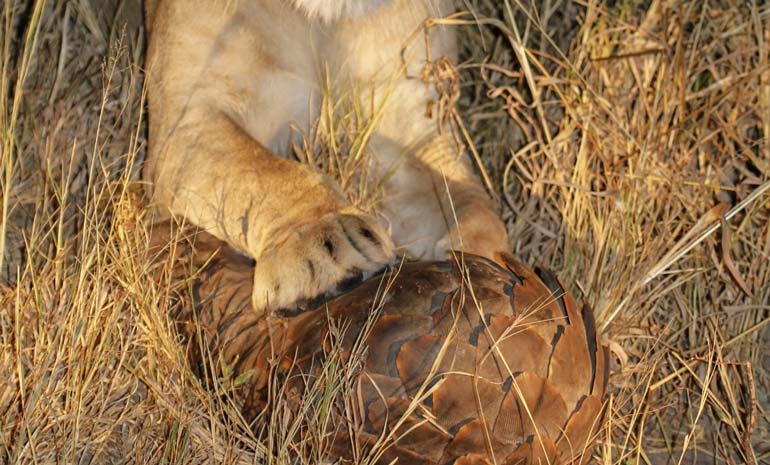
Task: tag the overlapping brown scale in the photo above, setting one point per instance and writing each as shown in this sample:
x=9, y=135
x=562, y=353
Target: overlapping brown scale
x=473, y=439
x=417, y=361
x=602, y=369
x=473, y=459
x=574, y=442
x=462, y=357
x=534, y=304
x=468, y=349
x=461, y=397
x=487, y=299
x=374, y=386
x=418, y=434
x=532, y=406
x=571, y=360
x=480, y=271
x=506, y=335
x=570, y=363
x=538, y=450
x=451, y=316
x=420, y=294
x=511, y=371
x=392, y=331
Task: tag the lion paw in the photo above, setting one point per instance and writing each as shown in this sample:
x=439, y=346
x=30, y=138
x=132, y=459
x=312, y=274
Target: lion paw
x=482, y=233
x=319, y=255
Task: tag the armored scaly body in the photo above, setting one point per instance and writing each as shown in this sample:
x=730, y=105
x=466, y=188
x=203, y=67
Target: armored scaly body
x=466, y=362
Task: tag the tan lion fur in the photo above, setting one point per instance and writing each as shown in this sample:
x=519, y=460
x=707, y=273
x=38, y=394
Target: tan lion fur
x=226, y=78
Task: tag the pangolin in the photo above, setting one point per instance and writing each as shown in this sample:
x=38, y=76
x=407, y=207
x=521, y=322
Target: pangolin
x=464, y=361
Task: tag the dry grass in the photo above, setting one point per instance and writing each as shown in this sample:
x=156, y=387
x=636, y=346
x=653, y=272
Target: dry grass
x=629, y=144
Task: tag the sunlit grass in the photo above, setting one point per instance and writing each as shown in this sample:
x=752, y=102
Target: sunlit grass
x=629, y=146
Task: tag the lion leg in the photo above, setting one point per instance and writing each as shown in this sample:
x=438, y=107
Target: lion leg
x=303, y=233
x=436, y=203
x=472, y=222
x=217, y=87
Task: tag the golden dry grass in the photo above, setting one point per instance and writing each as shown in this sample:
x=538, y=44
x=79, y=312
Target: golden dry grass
x=628, y=143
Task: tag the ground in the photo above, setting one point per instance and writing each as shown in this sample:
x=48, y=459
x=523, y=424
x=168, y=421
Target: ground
x=628, y=145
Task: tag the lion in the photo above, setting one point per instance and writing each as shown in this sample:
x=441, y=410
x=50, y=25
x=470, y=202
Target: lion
x=226, y=79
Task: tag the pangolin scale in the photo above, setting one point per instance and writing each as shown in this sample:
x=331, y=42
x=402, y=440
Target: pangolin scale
x=465, y=361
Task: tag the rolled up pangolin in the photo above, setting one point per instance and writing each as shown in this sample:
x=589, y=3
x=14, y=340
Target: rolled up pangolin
x=465, y=361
